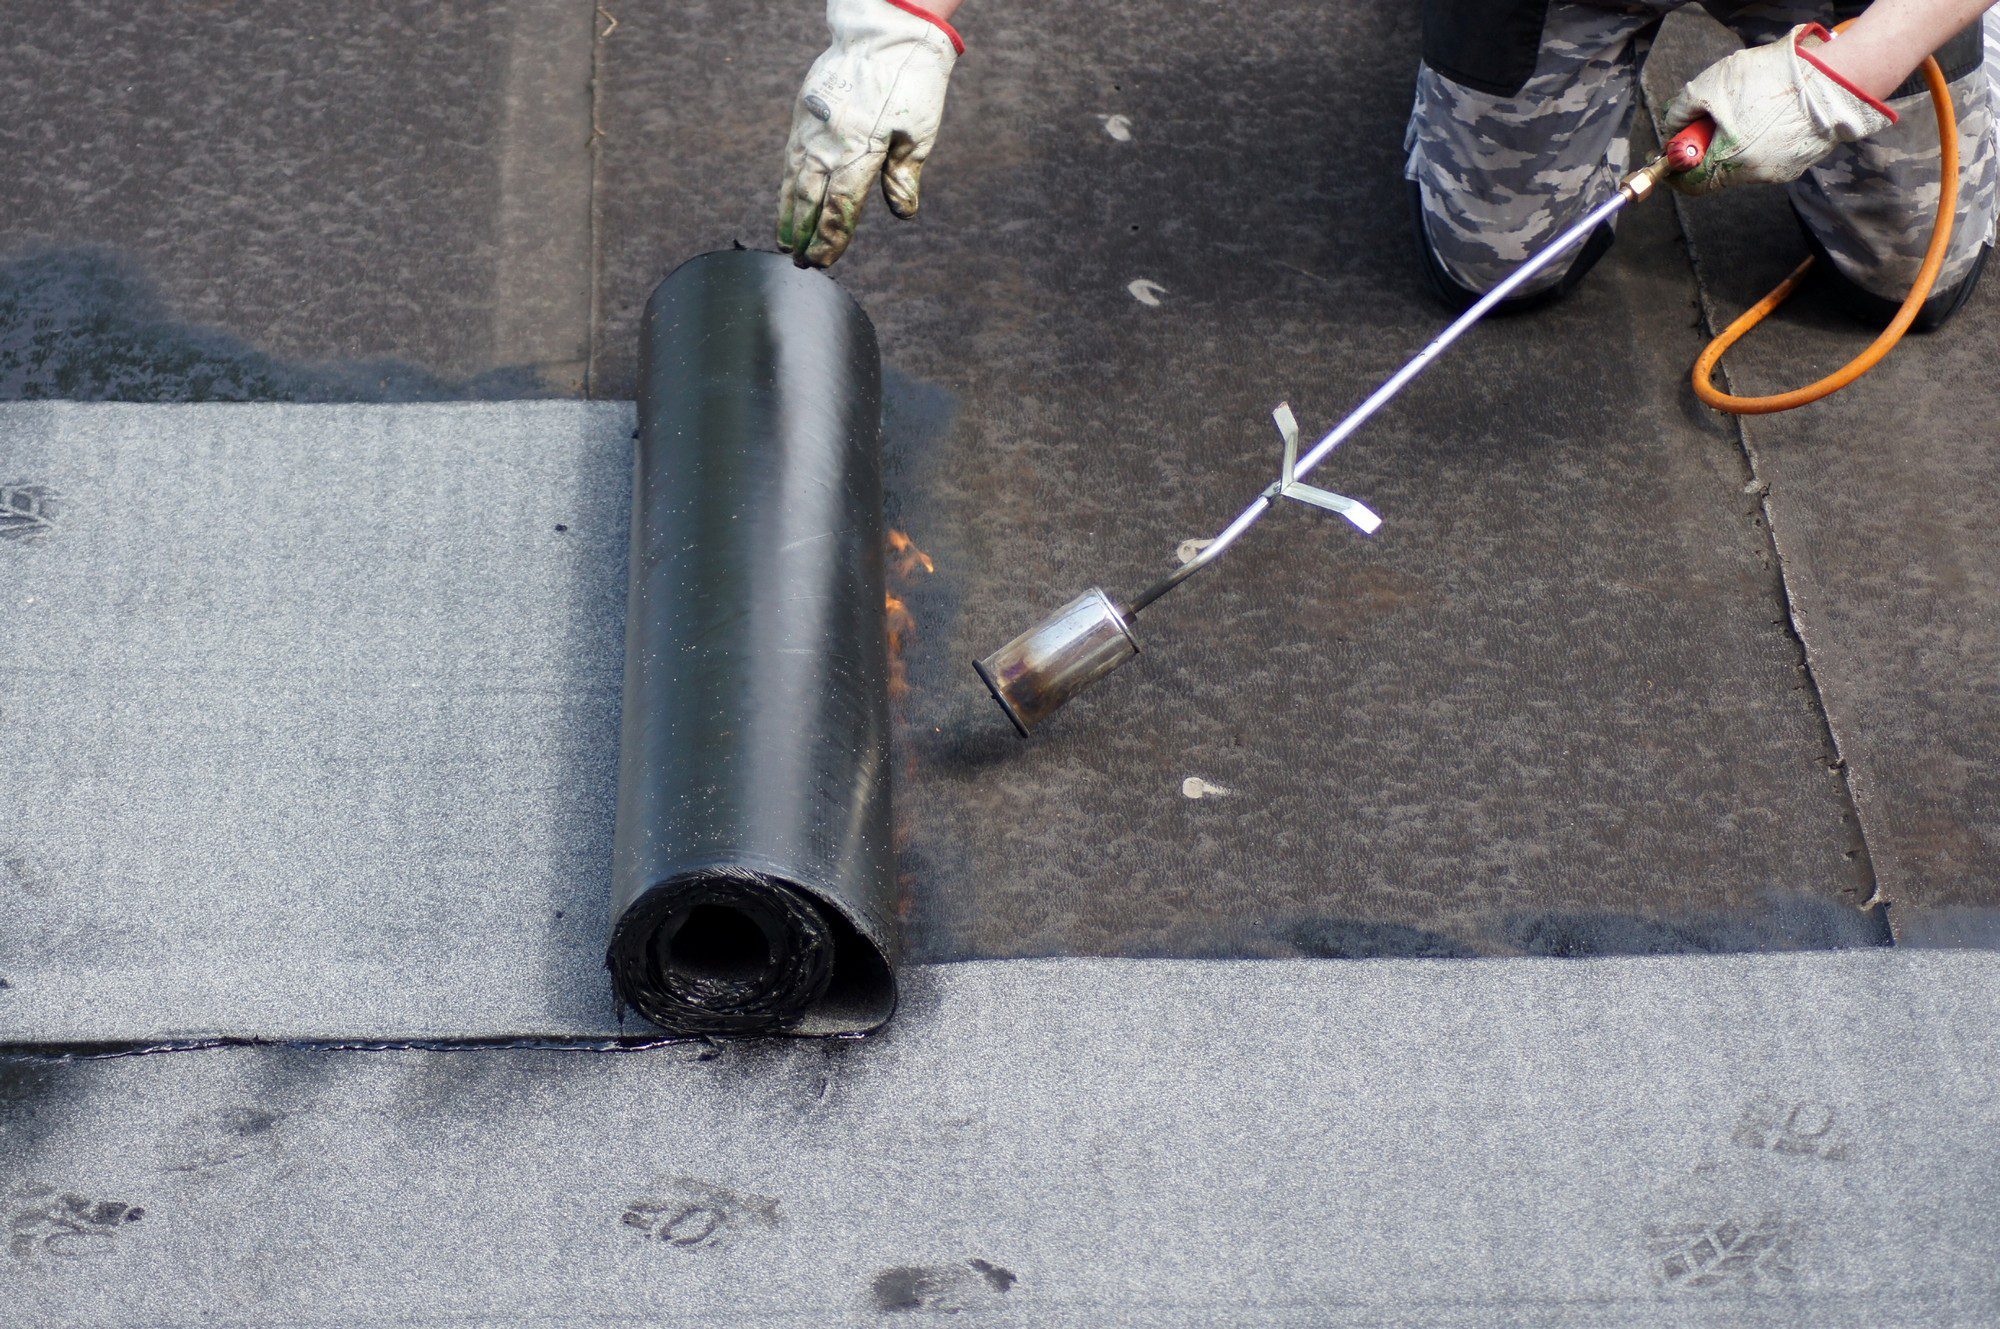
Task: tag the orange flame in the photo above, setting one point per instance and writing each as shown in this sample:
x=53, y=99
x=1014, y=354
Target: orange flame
x=905, y=561
x=901, y=625
x=907, y=557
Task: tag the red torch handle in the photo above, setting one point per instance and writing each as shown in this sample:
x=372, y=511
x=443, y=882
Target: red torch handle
x=1686, y=149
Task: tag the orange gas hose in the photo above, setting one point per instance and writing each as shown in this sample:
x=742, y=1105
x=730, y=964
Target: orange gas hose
x=1704, y=366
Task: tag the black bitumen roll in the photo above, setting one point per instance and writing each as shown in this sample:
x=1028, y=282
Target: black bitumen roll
x=753, y=868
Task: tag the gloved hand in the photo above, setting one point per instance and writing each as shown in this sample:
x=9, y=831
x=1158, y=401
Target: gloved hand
x=870, y=106
x=1777, y=109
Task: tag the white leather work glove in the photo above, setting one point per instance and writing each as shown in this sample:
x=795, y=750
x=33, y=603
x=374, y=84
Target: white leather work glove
x=1777, y=110
x=870, y=107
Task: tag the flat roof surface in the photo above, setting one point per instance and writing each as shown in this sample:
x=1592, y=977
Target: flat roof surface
x=1651, y=748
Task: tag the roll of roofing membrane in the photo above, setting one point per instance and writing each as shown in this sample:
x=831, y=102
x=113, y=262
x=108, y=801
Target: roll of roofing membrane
x=752, y=865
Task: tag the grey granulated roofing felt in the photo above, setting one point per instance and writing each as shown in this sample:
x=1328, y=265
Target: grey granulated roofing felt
x=1741, y=1140
x=312, y=719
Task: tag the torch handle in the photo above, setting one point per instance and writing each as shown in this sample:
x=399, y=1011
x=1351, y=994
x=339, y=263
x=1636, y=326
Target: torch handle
x=1686, y=149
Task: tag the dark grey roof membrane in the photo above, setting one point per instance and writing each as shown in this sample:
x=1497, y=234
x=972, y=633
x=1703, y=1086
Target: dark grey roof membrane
x=753, y=866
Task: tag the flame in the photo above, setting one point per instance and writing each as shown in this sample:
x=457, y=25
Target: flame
x=907, y=557
x=905, y=560
x=901, y=626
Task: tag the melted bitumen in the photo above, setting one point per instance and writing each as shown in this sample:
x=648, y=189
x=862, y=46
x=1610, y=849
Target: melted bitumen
x=85, y=324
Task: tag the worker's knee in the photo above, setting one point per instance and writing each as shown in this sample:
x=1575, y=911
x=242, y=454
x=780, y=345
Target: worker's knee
x=1872, y=204
x=1466, y=257
x=1494, y=179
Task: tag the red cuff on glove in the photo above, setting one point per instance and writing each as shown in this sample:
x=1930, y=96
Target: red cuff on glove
x=1811, y=30
x=958, y=44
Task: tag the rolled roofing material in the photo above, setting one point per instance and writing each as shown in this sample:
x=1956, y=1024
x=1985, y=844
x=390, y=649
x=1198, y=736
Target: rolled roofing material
x=753, y=869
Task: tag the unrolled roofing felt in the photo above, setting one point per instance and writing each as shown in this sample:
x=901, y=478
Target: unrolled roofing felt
x=1736, y=1140
x=314, y=720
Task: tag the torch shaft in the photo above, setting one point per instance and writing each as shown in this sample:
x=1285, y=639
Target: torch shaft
x=1395, y=383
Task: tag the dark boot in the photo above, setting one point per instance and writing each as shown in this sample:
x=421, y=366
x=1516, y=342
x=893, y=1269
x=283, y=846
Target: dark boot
x=1873, y=310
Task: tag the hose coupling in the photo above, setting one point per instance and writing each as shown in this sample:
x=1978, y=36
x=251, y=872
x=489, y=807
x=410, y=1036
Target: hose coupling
x=1639, y=186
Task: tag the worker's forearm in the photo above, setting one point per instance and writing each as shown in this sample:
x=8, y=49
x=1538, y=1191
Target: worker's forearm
x=944, y=9
x=1892, y=37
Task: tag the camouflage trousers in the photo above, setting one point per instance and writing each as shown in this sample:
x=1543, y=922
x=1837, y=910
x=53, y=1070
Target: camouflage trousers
x=1500, y=176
